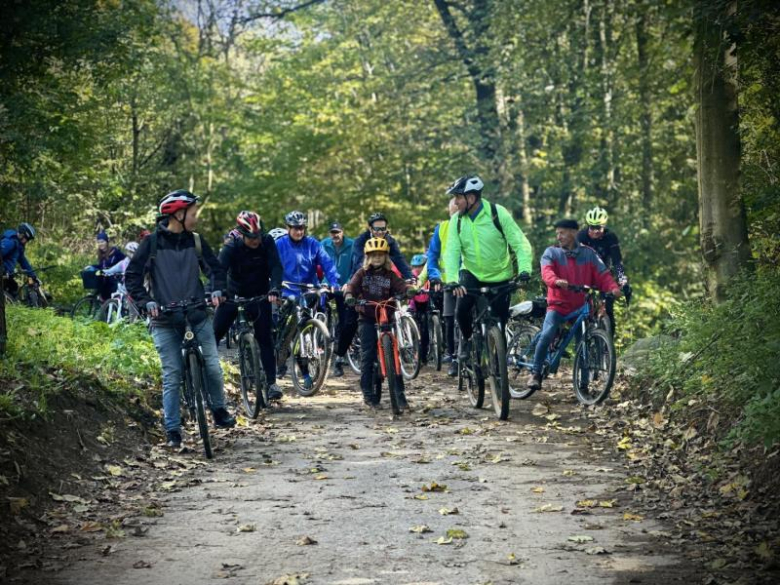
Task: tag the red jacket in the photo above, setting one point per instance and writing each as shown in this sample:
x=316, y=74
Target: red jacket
x=580, y=266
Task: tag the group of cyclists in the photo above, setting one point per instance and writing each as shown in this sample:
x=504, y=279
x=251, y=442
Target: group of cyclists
x=478, y=245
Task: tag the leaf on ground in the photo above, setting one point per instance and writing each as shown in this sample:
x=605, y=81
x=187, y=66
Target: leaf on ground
x=607, y=503
x=552, y=417
x=718, y=564
x=512, y=559
x=17, y=504
x=466, y=431
x=305, y=541
x=434, y=487
x=548, y=508
x=61, y=528
x=580, y=538
x=764, y=551
x=569, y=472
x=246, y=528
x=286, y=439
x=292, y=579
x=249, y=470
x=66, y=498
x=540, y=410
x=448, y=511
x=91, y=526
x=596, y=550
x=456, y=533
x=538, y=490
x=114, y=470
x=462, y=465
x=420, y=497
x=443, y=540
x=420, y=529
x=633, y=517
x=321, y=477
x=586, y=504
x=624, y=443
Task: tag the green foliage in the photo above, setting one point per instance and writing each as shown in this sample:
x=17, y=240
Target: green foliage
x=728, y=352
x=44, y=350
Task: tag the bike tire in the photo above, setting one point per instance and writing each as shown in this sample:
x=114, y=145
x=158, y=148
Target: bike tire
x=392, y=378
x=471, y=380
x=198, y=388
x=110, y=312
x=598, y=352
x=33, y=299
x=313, y=344
x=520, y=349
x=85, y=308
x=497, y=373
x=437, y=341
x=408, y=339
x=254, y=385
x=353, y=355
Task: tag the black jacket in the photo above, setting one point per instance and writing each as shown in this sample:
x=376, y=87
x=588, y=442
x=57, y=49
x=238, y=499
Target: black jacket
x=175, y=274
x=395, y=254
x=607, y=247
x=251, y=272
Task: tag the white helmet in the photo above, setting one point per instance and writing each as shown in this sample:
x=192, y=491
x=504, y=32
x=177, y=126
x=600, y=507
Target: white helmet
x=466, y=184
x=131, y=247
x=277, y=233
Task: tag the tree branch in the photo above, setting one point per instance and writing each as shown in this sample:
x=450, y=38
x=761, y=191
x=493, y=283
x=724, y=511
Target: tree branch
x=281, y=13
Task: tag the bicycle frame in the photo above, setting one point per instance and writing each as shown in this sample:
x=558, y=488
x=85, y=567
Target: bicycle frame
x=385, y=327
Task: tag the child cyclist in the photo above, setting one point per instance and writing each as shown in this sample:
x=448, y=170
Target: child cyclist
x=419, y=305
x=375, y=281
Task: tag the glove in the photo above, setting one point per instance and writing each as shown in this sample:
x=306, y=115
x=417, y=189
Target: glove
x=627, y=291
x=523, y=277
x=434, y=281
x=216, y=296
x=152, y=307
x=350, y=301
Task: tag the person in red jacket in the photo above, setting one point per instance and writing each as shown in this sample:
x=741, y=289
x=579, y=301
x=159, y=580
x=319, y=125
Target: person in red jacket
x=568, y=263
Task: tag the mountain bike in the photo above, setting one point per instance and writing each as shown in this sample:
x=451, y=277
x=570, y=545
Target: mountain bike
x=194, y=393
x=435, y=332
x=353, y=355
x=525, y=322
x=593, y=371
x=487, y=359
x=87, y=307
x=388, y=366
x=407, y=335
x=254, y=384
x=120, y=307
x=30, y=293
x=300, y=334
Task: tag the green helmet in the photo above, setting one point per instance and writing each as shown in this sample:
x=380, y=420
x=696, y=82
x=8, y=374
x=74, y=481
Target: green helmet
x=597, y=216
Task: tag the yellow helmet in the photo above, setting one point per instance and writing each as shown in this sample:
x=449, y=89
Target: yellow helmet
x=377, y=245
x=596, y=216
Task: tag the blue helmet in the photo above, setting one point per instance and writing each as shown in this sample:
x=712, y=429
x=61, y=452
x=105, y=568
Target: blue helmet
x=419, y=260
x=26, y=230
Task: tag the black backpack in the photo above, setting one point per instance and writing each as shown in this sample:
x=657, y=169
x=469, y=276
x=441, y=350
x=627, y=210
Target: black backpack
x=153, y=256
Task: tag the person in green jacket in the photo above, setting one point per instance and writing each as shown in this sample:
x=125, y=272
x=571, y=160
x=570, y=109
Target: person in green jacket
x=479, y=239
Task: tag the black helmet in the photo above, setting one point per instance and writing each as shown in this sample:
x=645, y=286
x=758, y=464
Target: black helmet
x=26, y=230
x=376, y=217
x=466, y=184
x=295, y=219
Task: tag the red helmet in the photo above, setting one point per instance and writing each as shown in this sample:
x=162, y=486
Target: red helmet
x=176, y=200
x=249, y=224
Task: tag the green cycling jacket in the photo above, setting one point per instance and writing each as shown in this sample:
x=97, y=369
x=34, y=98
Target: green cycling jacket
x=483, y=248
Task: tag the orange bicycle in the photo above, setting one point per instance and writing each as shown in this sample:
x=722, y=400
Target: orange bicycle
x=389, y=366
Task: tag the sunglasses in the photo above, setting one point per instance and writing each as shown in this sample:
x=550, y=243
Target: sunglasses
x=378, y=229
x=596, y=228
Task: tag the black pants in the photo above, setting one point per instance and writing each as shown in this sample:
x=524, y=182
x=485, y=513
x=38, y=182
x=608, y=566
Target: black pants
x=499, y=305
x=609, y=307
x=348, y=326
x=341, y=310
x=259, y=314
x=421, y=317
x=368, y=358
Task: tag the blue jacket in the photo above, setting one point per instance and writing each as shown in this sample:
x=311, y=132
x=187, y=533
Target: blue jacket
x=12, y=251
x=434, y=255
x=342, y=258
x=300, y=260
x=395, y=254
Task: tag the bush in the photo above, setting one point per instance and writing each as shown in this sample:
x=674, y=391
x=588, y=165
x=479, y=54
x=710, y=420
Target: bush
x=728, y=353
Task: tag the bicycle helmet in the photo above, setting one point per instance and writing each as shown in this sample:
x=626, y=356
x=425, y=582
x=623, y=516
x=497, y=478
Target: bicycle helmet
x=26, y=230
x=277, y=233
x=466, y=184
x=596, y=216
x=376, y=217
x=295, y=219
x=376, y=245
x=176, y=200
x=419, y=260
x=249, y=224
x=131, y=247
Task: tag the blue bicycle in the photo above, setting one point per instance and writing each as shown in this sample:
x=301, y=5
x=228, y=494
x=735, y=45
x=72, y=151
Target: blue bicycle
x=593, y=371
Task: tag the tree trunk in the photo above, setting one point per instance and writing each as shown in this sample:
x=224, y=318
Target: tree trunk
x=607, y=141
x=3, y=328
x=646, y=116
x=722, y=220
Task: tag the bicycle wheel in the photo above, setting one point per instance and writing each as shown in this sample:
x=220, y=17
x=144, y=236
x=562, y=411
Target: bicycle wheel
x=254, y=387
x=85, y=308
x=198, y=388
x=311, y=350
x=594, y=367
x=470, y=379
x=437, y=340
x=110, y=312
x=520, y=350
x=408, y=339
x=392, y=377
x=353, y=355
x=495, y=369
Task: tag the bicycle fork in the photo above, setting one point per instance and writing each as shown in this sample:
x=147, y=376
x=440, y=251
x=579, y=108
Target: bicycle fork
x=381, y=353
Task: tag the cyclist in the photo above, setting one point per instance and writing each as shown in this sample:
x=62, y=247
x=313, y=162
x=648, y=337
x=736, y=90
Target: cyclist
x=12, y=245
x=339, y=248
x=107, y=256
x=375, y=281
x=568, y=263
x=436, y=249
x=120, y=267
x=173, y=257
x=300, y=255
x=419, y=304
x=254, y=270
x=606, y=244
x=377, y=228
x=481, y=235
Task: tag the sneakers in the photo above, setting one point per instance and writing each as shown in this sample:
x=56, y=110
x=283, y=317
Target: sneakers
x=534, y=381
x=223, y=419
x=307, y=382
x=173, y=439
x=465, y=349
x=452, y=370
x=274, y=392
x=370, y=406
x=281, y=371
x=338, y=367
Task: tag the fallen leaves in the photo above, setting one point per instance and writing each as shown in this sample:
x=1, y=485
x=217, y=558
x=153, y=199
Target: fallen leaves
x=628, y=516
x=548, y=508
x=66, y=498
x=420, y=529
x=434, y=487
x=246, y=528
x=580, y=538
x=305, y=541
x=448, y=511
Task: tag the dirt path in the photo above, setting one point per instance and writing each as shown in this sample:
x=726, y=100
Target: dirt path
x=355, y=486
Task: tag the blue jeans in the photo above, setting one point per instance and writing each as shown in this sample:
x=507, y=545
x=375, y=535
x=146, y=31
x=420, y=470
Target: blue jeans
x=552, y=322
x=167, y=340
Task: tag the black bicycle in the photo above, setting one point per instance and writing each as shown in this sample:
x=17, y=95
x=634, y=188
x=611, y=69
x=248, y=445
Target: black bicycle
x=88, y=306
x=435, y=332
x=30, y=292
x=254, y=384
x=487, y=359
x=194, y=394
